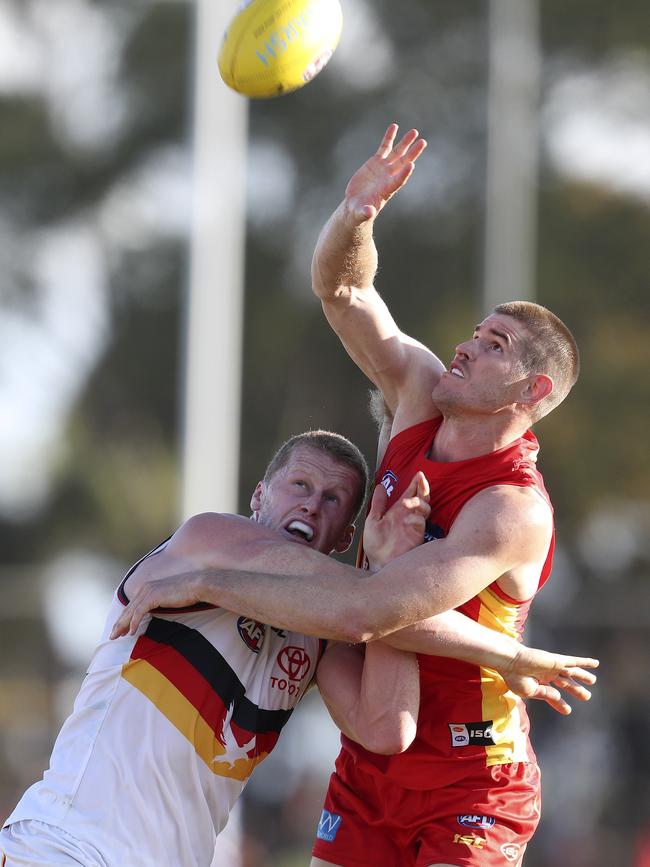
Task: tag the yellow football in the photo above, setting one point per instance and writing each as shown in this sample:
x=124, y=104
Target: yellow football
x=272, y=47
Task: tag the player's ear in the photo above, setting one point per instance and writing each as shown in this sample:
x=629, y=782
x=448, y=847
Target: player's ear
x=537, y=388
x=257, y=499
x=345, y=540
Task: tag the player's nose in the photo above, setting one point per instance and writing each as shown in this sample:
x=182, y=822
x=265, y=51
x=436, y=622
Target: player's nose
x=465, y=349
x=311, y=503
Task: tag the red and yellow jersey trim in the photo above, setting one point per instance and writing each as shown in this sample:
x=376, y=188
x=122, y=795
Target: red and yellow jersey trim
x=193, y=685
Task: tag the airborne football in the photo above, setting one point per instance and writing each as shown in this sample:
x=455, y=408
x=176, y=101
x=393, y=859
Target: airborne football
x=273, y=47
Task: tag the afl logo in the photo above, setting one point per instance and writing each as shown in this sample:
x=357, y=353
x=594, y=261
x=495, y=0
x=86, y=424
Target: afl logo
x=251, y=633
x=294, y=662
x=388, y=482
x=471, y=820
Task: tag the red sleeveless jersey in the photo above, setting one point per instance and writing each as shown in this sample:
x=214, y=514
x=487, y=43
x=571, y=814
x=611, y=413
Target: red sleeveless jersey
x=468, y=718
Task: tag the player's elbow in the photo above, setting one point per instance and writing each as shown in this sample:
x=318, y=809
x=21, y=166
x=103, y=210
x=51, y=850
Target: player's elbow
x=392, y=736
x=371, y=620
x=361, y=625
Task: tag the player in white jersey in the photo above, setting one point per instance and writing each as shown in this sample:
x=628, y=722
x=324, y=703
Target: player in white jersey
x=171, y=720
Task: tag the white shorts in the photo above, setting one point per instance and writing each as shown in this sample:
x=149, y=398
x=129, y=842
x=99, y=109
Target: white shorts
x=31, y=843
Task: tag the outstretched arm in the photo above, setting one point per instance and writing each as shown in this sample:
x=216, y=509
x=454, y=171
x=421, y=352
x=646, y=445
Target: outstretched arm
x=529, y=672
x=343, y=272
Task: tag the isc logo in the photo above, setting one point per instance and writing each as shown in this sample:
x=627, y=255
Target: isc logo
x=477, y=734
x=470, y=840
x=481, y=733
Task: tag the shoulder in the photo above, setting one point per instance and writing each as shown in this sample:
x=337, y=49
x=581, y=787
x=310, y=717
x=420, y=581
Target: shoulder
x=210, y=527
x=421, y=374
x=508, y=514
x=523, y=503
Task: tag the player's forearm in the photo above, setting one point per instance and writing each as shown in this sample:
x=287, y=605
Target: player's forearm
x=345, y=255
x=452, y=634
x=390, y=699
x=300, y=603
x=375, y=704
x=336, y=601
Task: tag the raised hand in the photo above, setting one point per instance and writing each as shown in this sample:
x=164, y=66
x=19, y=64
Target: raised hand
x=383, y=174
x=390, y=532
x=540, y=674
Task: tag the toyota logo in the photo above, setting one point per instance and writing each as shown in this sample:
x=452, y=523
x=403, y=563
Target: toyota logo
x=294, y=662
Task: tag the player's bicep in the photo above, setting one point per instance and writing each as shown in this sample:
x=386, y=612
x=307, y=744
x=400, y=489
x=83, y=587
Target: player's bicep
x=208, y=540
x=503, y=531
x=496, y=533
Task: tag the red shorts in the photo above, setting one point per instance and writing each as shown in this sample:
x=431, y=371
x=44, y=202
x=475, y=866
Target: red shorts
x=484, y=820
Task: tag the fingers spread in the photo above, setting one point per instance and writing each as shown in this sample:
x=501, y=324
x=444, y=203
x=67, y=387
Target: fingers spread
x=553, y=698
x=575, y=689
x=402, y=147
x=580, y=662
x=579, y=674
x=415, y=150
x=387, y=142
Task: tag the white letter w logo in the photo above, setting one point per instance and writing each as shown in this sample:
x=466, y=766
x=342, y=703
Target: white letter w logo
x=328, y=825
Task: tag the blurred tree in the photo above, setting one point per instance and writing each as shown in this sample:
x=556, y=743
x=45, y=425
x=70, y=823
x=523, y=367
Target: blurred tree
x=114, y=471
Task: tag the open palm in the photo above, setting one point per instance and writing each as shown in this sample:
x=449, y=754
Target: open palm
x=384, y=173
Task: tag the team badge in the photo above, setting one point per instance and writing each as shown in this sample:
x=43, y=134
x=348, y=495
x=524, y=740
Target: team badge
x=251, y=633
x=511, y=851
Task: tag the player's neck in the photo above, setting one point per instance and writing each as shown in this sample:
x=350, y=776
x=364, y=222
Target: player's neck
x=460, y=438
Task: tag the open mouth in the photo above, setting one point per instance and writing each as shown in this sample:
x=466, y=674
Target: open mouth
x=301, y=530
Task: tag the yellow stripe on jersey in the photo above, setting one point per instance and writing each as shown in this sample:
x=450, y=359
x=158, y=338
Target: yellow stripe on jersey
x=498, y=703
x=184, y=716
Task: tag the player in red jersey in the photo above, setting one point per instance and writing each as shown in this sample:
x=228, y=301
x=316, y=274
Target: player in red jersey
x=469, y=785
x=467, y=791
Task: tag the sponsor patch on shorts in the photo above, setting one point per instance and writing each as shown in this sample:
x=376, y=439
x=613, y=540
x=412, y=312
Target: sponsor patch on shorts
x=473, y=820
x=476, y=734
x=328, y=826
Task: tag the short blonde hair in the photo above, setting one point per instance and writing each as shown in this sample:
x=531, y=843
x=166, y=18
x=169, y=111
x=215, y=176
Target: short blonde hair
x=550, y=349
x=337, y=446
